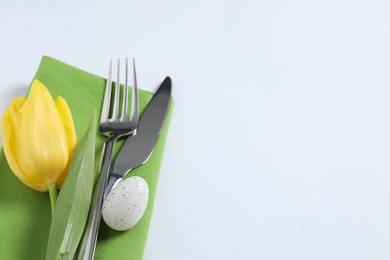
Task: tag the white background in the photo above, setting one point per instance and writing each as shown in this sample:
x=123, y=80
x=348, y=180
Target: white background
x=279, y=145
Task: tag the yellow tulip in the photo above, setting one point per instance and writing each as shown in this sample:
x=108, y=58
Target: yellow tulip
x=39, y=138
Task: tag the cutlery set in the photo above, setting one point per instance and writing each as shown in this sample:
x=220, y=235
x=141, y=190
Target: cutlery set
x=142, y=135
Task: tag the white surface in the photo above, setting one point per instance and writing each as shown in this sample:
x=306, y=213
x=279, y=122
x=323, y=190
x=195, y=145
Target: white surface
x=279, y=145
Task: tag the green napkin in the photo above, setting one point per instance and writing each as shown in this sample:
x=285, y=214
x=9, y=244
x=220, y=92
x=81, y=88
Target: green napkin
x=25, y=214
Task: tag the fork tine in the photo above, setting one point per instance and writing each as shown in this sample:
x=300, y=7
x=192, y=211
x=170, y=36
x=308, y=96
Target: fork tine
x=125, y=95
x=114, y=115
x=107, y=97
x=134, y=98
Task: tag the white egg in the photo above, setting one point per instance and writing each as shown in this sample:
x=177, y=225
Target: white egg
x=126, y=203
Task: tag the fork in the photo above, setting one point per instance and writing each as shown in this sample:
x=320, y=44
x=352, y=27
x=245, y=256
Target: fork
x=112, y=126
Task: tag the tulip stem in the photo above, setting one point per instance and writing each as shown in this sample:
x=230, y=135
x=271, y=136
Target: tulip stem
x=52, y=187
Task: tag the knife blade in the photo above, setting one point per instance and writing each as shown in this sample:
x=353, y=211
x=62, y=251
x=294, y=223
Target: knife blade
x=138, y=148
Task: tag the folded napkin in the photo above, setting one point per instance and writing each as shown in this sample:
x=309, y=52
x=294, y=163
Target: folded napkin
x=25, y=214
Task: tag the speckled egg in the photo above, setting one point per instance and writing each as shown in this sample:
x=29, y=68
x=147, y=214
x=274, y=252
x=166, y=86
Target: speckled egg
x=126, y=203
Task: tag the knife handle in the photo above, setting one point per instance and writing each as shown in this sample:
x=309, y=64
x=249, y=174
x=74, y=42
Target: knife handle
x=87, y=244
x=112, y=182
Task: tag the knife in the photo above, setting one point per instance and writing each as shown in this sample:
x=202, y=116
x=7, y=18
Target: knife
x=137, y=148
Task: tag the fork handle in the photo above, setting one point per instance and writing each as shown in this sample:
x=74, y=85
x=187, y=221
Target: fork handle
x=87, y=244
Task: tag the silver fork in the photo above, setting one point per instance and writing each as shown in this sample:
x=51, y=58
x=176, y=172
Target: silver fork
x=112, y=128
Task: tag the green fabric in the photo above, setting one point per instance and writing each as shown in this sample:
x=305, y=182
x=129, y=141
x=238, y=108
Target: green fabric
x=25, y=214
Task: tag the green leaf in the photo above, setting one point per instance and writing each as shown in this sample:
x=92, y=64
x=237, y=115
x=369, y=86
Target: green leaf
x=71, y=210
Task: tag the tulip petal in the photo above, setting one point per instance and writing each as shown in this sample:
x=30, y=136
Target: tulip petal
x=67, y=119
x=10, y=148
x=70, y=131
x=17, y=142
x=44, y=151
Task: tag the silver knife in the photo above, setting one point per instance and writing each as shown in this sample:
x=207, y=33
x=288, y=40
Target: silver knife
x=138, y=148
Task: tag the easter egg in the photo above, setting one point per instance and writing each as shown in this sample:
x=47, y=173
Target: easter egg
x=125, y=205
